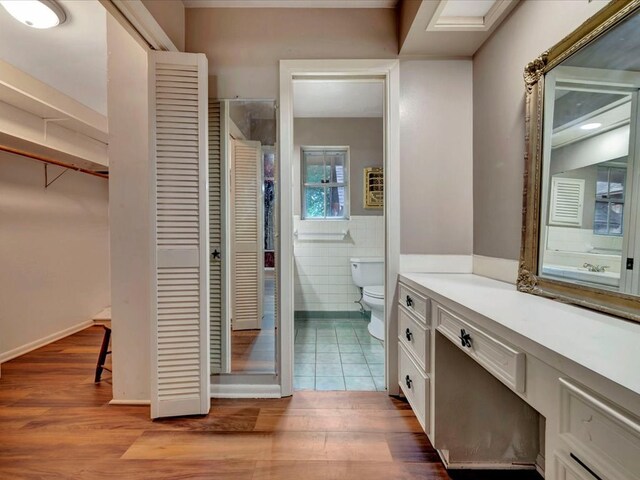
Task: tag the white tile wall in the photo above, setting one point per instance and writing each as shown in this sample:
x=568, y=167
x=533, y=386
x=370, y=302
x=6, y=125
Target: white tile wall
x=580, y=240
x=572, y=246
x=322, y=269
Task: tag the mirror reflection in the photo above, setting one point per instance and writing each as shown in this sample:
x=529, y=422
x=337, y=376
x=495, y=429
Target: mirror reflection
x=242, y=192
x=251, y=149
x=589, y=207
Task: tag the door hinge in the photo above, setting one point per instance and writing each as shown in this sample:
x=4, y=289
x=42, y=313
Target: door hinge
x=629, y=263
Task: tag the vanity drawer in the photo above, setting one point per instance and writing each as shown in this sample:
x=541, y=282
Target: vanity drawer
x=503, y=361
x=415, y=385
x=414, y=336
x=602, y=436
x=414, y=302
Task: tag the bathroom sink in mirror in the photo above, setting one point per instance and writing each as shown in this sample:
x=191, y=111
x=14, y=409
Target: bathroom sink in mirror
x=581, y=231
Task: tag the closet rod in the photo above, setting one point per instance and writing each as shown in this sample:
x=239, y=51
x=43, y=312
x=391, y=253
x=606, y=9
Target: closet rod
x=40, y=158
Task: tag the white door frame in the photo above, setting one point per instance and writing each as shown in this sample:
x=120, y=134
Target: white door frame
x=389, y=70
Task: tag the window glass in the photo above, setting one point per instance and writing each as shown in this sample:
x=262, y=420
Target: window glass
x=314, y=167
x=608, y=216
x=335, y=202
x=314, y=200
x=325, y=187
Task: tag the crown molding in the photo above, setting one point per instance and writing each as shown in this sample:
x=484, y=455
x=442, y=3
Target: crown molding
x=439, y=23
x=290, y=3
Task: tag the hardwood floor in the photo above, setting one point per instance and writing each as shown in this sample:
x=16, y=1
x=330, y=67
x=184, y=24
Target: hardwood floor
x=55, y=423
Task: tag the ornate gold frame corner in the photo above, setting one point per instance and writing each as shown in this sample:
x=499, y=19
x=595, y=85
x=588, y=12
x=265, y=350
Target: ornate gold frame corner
x=618, y=304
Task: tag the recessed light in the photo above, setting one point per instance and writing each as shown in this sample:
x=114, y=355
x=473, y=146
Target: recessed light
x=590, y=126
x=35, y=13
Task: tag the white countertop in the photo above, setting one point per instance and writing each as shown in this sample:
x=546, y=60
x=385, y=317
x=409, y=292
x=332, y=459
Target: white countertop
x=604, y=344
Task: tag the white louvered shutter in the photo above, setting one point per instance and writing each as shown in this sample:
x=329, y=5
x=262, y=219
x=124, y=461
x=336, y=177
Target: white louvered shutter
x=215, y=239
x=180, y=266
x=247, y=240
x=567, y=201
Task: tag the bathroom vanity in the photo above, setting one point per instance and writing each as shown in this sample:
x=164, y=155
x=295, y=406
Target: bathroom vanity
x=502, y=379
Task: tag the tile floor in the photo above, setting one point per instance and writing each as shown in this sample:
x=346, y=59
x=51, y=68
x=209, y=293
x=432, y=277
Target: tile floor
x=337, y=355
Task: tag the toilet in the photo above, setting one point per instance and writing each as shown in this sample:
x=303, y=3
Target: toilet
x=368, y=274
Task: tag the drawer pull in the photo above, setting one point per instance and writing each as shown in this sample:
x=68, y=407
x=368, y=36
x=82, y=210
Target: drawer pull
x=408, y=334
x=465, y=338
x=409, y=301
x=408, y=381
x=581, y=463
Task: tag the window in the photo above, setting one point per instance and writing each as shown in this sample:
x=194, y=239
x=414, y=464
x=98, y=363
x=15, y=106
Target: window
x=325, y=182
x=608, y=219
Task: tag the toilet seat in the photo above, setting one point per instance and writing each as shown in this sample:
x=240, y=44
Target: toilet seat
x=374, y=291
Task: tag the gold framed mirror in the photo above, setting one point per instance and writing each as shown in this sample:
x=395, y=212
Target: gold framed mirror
x=581, y=200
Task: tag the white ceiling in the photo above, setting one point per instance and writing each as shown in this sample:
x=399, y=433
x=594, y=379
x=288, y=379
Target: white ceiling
x=608, y=118
x=453, y=28
x=290, y=3
x=337, y=98
x=71, y=58
x=467, y=8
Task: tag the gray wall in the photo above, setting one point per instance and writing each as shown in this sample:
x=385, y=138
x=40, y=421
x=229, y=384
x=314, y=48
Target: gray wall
x=498, y=116
x=54, y=251
x=170, y=16
x=436, y=157
x=363, y=136
x=244, y=45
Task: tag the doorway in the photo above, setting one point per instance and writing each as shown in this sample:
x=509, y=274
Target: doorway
x=386, y=72
x=338, y=228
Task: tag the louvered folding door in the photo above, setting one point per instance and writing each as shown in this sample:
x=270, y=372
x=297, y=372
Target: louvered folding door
x=216, y=241
x=180, y=266
x=247, y=240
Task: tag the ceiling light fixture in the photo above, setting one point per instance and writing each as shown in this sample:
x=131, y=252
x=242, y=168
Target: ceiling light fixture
x=35, y=13
x=590, y=126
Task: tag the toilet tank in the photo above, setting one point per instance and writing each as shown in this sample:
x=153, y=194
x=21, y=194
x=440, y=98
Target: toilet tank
x=367, y=271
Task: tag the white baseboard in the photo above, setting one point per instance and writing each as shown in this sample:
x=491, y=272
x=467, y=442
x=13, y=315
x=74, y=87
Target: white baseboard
x=41, y=342
x=105, y=314
x=245, y=391
x=501, y=269
x=540, y=465
x=436, y=263
x=129, y=402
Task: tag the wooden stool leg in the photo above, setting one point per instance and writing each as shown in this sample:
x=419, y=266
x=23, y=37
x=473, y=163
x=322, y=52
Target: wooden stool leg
x=104, y=350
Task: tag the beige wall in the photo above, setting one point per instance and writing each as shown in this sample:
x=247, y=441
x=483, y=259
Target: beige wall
x=498, y=119
x=54, y=251
x=129, y=212
x=245, y=45
x=364, y=136
x=406, y=15
x=170, y=15
x=436, y=157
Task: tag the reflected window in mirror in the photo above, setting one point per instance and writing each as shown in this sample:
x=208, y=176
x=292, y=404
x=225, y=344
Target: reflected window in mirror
x=609, y=209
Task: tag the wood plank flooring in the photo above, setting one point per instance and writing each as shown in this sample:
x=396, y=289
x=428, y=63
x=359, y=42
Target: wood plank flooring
x=55, y=423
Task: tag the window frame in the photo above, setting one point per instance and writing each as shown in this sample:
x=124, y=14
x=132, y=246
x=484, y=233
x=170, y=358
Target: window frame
x=304, y=185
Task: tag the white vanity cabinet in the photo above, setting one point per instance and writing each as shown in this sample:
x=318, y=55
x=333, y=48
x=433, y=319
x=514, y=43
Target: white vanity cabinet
x=501, y=379
x=414, y=326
